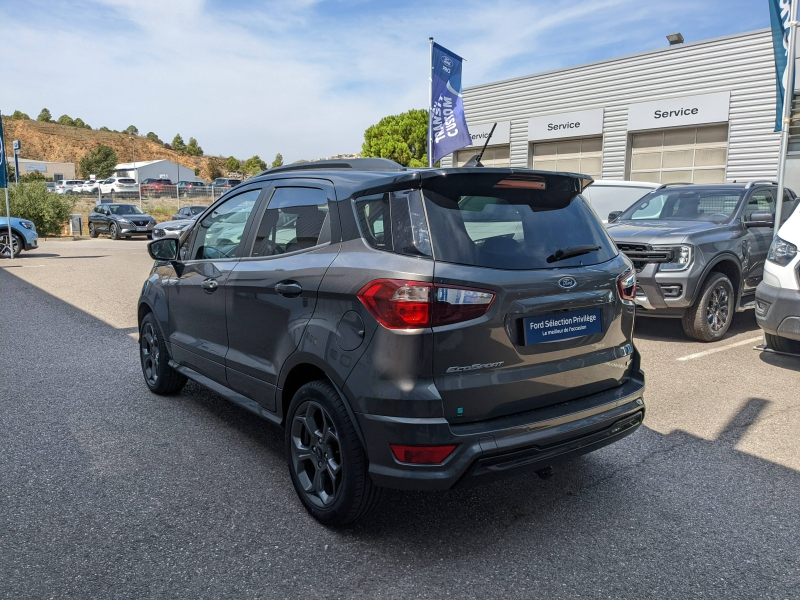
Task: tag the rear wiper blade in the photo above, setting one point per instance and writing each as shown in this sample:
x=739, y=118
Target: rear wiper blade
x=571, y=252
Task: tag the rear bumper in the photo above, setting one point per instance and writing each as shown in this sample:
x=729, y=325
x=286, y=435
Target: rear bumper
x=502, y=446
x=778, y=311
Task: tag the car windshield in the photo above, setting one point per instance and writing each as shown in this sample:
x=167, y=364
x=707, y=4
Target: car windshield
x=125, y=209
x=715, y=205
x=608, y=198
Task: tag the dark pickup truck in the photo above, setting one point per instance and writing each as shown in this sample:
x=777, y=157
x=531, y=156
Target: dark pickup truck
x=699, y=250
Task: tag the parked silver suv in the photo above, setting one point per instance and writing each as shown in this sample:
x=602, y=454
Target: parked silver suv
x=415, y=329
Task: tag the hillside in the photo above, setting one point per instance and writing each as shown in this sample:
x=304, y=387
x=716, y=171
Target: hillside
x=61, y=143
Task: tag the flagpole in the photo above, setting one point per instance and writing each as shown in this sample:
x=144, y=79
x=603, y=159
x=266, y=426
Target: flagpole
x=430, y=107
x=788, y=96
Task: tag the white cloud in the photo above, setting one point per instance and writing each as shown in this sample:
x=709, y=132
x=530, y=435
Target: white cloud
x=303, y=78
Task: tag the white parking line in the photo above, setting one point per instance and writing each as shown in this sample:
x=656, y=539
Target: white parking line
x=721, y=348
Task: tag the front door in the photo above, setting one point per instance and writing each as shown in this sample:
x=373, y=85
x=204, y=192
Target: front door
x=272, y=293
x=759, y=238
x=197, y=327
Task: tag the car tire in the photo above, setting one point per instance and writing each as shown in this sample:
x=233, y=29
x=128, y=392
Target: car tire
x=158, y=375
x=92, y=230
x=319, y=437
x=149, y=236
x=709, y=318
x=782, y=344
x=13, y=249
x=113, y=231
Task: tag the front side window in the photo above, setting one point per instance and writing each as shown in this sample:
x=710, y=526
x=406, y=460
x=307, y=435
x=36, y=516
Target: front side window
x=219, y=234
x=606, y=199
x=297, y=218
x=705, y=204
x=760, y=201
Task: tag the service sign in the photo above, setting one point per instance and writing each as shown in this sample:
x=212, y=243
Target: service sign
x=566, y=125
x=679, y=112
x=479, y=133
x=31, y=167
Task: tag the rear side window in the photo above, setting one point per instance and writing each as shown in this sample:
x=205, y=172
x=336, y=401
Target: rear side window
x=394, y=222
x=511, y=227
x=296, y=218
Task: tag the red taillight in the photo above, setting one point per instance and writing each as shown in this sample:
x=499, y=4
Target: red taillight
x=626, y=284
x=422, y=455
x=401, y=304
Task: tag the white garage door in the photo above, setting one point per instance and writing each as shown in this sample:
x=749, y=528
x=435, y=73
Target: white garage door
x=495, y=156
x=577, y=156
x=692, y=155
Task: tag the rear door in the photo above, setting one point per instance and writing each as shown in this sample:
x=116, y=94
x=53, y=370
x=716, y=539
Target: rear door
x=556, y=330
x=272, y=293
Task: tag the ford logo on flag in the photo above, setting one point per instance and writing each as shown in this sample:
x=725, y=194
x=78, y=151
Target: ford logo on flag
x=567, y=283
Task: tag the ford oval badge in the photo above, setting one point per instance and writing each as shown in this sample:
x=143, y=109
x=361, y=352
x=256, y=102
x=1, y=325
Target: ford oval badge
x=567, y=283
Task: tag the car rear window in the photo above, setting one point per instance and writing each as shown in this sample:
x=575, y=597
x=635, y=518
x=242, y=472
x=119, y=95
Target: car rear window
x=126, y=180
x=509, y=224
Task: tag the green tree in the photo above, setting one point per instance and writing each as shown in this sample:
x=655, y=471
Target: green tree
x=278, y=162
x=153, y=138
x=20, y=116
x=254, y=165
x=45, y=116
x=66, y=120
x=47, y=210
x=79, y=123
x=178, y=144
x=212, y=169
x=33, y=176
x=401, y=138
x=131, y=130
x=192, y=149
x=103, y=128
x=232, y=164
x=100, y=161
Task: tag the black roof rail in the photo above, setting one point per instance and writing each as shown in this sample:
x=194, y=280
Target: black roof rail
x=750, y=184
x=674, y=183
x=355, y=164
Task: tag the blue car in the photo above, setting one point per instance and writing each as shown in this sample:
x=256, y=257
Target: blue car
x=23, y=233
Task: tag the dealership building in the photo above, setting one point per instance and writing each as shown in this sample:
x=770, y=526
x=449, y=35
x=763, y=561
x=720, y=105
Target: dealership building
x=701, y=112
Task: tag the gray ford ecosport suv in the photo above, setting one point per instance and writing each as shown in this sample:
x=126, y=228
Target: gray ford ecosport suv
x=414, y=329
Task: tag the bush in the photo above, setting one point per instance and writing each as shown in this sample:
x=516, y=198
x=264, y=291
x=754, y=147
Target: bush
x=20, y=116
x=153, y=137
x=232, y=164
x=66, y=120
x=48, y=210
x=212, y=169
x=254, y=165
x=33, y=176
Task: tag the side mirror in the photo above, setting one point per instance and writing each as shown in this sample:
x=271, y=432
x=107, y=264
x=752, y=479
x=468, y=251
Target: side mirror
x=613, y=216
x=761, y=218
x=163, y=250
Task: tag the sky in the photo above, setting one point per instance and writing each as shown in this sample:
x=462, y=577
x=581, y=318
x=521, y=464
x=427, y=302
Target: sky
x=306, y=77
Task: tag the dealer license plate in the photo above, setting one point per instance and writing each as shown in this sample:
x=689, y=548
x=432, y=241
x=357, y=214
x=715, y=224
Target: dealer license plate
x=557, y=327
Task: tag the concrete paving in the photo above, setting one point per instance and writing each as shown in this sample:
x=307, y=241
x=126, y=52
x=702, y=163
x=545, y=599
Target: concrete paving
x=107, y=491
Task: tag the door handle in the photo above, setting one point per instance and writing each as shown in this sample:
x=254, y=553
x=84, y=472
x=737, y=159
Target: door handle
x=290, y=289
x=209, y=285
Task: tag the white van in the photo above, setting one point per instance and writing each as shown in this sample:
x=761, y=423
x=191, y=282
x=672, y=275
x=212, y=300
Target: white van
x=607, y=195
x=778, y=294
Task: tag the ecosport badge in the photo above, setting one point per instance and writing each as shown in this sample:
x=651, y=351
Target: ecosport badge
x=474, y=367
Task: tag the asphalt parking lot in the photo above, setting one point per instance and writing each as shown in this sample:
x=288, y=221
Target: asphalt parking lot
x=107, y=491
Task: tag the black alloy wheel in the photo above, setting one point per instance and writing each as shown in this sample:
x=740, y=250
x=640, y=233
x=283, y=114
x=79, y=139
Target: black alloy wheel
x=316, y=454
x=113, y=231
x=10, y=250
x=92, y=230
x=161, y=378
x=709, y=319
x=326, y=460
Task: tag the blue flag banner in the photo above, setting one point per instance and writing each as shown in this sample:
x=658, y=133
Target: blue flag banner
x=3, y=178
x=447, y=124
x=779, y=19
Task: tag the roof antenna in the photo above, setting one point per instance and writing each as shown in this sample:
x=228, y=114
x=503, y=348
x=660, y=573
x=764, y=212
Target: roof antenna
x=475, y=161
